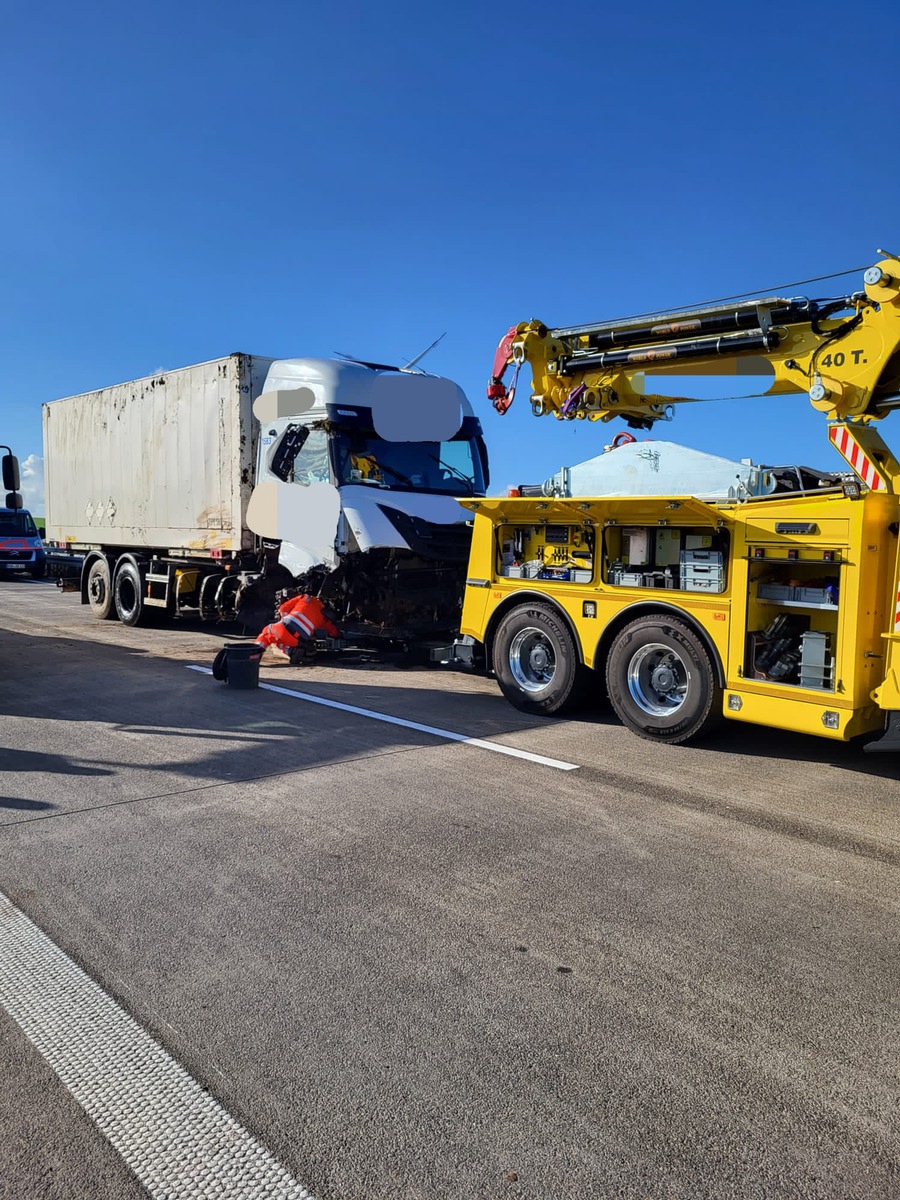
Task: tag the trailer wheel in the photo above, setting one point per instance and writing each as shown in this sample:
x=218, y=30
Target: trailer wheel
x=99, y=591
x=129, y=594
x=535, y=661
x=661, y=681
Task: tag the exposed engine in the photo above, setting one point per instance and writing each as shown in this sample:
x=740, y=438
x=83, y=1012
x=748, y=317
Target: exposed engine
x=394, y=590
x=375, y=592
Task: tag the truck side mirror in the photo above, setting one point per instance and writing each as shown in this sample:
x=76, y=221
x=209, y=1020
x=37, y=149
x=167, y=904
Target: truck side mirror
x=11, y=475
x=14, y=500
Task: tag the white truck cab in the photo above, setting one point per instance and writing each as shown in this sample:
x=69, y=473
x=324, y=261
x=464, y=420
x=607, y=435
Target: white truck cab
x=358, y=471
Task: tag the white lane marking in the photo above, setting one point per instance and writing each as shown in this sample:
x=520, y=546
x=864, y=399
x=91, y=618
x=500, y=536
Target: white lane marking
x=497, y=747
x=179, y=1142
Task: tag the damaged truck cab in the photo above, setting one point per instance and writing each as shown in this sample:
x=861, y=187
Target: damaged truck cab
x=358, y=470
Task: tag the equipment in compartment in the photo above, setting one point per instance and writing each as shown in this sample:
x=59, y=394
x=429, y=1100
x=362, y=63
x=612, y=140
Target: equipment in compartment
x=554, y=553
x=556, y=535
x=668, y=547
x=775, y=591
x=565, y=574
x=823, y=592
x=816, y=661
x=818, y=595
x=620, y=577
x=702, y=571
x=788, y=651
x=636, y=545
x=666, y=557
x=774, y=652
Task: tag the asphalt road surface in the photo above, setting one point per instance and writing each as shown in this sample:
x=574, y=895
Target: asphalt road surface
x=395, y=965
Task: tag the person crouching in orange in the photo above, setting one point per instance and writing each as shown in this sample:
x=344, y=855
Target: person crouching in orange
x=301, y=617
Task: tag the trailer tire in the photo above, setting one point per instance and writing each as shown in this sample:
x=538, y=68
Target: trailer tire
x=661, y=681
x=128, y=592
x=99, y=591
x=536, y=662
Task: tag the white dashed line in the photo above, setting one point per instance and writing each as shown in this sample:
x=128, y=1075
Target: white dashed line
x=179, y=1142
x=496, y=747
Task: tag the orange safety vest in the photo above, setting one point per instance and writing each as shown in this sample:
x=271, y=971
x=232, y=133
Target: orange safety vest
x=301, y=616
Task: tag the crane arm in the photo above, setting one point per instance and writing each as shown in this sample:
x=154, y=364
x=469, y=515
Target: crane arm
x=844, y=353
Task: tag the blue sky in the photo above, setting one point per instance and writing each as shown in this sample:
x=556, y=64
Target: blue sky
x=186, y=180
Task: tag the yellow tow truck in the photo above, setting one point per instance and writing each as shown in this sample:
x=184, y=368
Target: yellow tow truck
x=782, y=610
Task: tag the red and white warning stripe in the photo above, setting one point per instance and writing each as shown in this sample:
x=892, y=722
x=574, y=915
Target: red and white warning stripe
x=848, y=447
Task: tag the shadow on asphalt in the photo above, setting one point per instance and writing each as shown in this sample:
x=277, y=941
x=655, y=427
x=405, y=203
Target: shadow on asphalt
x=119, y=691
x=39, y=760
x=128, y=689
x=758, y=742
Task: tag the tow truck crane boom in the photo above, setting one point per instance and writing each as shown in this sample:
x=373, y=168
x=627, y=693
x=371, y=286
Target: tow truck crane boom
x=842, y=352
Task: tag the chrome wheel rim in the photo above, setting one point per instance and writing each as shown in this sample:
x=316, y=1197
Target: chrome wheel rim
x=658, y=679
x=532, y=660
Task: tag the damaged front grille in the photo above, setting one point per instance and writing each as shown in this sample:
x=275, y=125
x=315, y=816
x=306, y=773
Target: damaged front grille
x=429, y=539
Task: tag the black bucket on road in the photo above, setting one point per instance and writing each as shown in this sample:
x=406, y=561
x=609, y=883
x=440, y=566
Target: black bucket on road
x=237, y=663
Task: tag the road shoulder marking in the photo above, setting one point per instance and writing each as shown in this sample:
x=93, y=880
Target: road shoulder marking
x=179, y=1142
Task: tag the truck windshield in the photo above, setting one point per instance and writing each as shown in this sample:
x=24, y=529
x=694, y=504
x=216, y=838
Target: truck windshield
x=17, y=524
x=452, y=468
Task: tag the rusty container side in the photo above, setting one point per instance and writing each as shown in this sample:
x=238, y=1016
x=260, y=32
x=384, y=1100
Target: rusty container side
x=164, y=463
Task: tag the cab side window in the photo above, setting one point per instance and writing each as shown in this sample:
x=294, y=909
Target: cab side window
x=311, y=463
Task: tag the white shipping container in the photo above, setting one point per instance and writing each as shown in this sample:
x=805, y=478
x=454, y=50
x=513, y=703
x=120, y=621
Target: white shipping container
x=165, y=462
